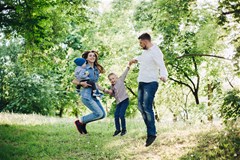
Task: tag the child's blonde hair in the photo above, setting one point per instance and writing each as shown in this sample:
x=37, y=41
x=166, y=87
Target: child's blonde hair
x=110, y=74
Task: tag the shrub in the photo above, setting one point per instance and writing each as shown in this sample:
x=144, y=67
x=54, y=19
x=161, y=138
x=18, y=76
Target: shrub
x=230, y=110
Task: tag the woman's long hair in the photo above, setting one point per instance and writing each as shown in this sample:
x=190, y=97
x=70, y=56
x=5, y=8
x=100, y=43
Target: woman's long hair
x=99, y=67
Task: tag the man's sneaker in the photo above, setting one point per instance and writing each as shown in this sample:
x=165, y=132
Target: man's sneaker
x=150, y=140
x=123, y=132
x=116, y=132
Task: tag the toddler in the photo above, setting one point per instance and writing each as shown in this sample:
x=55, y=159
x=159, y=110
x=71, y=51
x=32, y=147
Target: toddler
x=82, y=76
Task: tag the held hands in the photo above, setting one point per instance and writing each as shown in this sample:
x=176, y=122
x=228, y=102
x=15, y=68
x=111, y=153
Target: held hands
x=129, y=65
x=131, y=62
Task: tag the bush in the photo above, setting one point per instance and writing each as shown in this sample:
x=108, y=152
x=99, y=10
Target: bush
x=29, y=94
x=230, y=110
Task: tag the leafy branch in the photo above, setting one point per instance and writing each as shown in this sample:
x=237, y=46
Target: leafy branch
x=202, y=55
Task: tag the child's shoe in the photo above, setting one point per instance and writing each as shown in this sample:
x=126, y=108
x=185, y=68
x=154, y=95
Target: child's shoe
x=100, y=95
x=78, y=87
x=78, y=91
x=116, y=133
x=97, y=94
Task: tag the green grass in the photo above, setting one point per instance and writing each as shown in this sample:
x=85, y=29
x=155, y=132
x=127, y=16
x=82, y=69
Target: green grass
x=216, y=145
x=39, y=137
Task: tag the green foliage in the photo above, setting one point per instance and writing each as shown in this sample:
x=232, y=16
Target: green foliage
x=229, y=7
x=8, y=60
x=41, y=23
x=22, y=92
x=230, y=110
x=29, y=94
x=229, y=17
x=205, y=40
x=43, y=67
x=42, y=89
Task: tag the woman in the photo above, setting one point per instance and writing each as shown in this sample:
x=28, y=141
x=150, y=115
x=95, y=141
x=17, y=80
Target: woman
x=88, y=100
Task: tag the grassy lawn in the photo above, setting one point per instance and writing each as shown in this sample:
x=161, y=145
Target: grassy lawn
x=39, y=137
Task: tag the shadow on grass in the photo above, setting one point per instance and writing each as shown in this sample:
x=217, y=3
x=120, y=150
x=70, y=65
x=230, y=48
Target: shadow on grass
x=218, y=145
x=60, y=141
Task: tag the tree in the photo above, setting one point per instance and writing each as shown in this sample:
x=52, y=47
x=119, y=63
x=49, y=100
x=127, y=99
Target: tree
x=114, y=36
x=179, y=25
x=40, y=28
x=229, y=17
x=42, y=24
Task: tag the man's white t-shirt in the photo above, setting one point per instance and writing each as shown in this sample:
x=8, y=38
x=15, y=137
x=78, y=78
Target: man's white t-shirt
x=151, y=64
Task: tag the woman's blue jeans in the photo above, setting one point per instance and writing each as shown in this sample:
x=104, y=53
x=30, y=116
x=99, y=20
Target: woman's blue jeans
x=97, y=110
x=146, y=94
x=120, y=114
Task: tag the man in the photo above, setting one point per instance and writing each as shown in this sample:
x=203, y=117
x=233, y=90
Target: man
x=150, y=65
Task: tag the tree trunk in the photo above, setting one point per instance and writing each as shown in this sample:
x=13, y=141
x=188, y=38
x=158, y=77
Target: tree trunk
x=174, y=117
x=210, y=97
x=210, y=94
x=195, y=93
x=185, y=106
x=61, y=112
x=186, y=116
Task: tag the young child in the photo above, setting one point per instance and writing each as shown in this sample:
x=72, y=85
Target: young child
x=118, y=91
x=82, y=75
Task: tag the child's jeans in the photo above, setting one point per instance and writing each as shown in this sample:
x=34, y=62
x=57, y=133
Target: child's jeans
x=120, y=114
